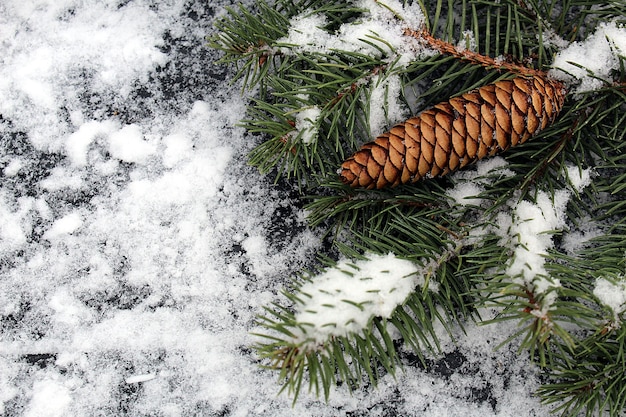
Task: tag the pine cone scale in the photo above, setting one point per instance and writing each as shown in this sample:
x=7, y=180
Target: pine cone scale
x=373, y=169
x=473, y=124
x=428, y=129
x=503, y=117
x=397, y=143
x=537, y=102
x=488, y=94
x=532, y=121
x=502, y=138
x=444, y=123
x=471, y=147
x=522, y=84
x=517, y=119
x=486, y=133
x=458, y=106
x=453, y=134
x=521, y=100
x=441, y=157
x=379, y=153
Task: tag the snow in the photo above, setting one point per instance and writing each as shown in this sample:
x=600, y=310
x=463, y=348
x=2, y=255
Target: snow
x=467, y=42
x=386, y=108
x=78, y=143
x=65, y=225
x=531, y=226
x=343, y=299
x=128, y=145
x=137, y=247
x=381, y=30
x=470, y=183
x=13, y=168
x=465, y=195
x=590, y=63
x=306, y=123
x=525, y=227
x=51, y=398
x=612, y=294
x=578, y=238
x=578, y=178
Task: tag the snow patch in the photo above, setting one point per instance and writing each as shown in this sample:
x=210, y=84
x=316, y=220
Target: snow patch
x=128, y=144
x=50, y=398
x=612, y=294
x=306, y=123
x=466, y=194
x=77, y=144
x=343, y=299
x=380, y=29
x=13, y=167
x=591, y=62
x=471, y=182
x=385, y=100
x=579, y=179
x=64, y=226
x=177, y=149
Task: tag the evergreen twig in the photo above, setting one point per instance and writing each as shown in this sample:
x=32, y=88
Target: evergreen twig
x=313, y=107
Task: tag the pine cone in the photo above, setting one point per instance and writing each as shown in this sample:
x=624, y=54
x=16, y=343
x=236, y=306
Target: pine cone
x=455, y=133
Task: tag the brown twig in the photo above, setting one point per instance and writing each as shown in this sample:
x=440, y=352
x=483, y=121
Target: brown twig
x=470, y=56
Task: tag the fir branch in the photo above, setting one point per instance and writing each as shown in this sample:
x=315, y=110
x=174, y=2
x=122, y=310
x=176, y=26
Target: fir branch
x=592, y=380
x=328, y=354
x=315, y=106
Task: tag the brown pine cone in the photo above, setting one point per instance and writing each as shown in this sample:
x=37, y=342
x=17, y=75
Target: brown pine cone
x=457, y=132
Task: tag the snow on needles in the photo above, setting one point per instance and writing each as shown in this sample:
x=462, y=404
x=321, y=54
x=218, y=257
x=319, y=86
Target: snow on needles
x=528, y=230
x=307, y=123
x=591, y=61
x=524, y=227
x=612, y=294
x=379, y=33
x=343, y=299
x=380, y=29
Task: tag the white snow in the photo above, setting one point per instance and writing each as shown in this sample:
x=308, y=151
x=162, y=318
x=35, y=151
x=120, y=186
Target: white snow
x=526, y=227
x=578, y=178
x=12, y=230
x=306, y=123
x=381, y=29
x=578, y=238
x=65, y=225
x=465, y=194
x=342, y=300
x=612, y=294
x=471, y=182
x=386, y=108
x=13, y=167
x=467, y=42
x=128, y=144
x=177, y=149
x=78, y=143
x=531, y=227
x=49, y=46
x=137, y=247
x=589, y=63
x=51, y=398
